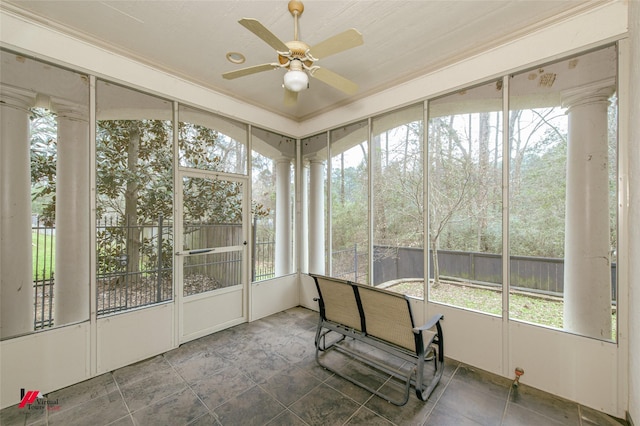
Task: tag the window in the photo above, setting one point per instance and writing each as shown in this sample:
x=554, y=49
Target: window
x=263, y=213
x=465, y=198
x=134, y=200
x=349, y=202
x=44, y=156
x=398, y=213
x=272, y=204
x=211, y=142
x=563, y=122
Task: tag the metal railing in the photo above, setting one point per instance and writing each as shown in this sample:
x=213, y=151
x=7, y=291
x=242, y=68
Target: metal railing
x=43, y=243
x=349, y=264
x=264, y=254
x=135, y=264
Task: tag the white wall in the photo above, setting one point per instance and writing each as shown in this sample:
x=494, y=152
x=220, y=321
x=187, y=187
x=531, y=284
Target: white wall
x=275, y=295
x=130, y=337
x=44, y=361
x=308, y=292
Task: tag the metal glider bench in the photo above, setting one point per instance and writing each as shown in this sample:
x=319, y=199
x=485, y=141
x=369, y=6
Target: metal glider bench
x=381, y=319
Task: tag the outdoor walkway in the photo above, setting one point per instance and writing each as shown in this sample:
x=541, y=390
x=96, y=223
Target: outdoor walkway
x=265, y=373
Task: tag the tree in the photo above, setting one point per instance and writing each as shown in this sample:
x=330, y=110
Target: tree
x=349, y=206
x=449, y=183
x=464, y=185
x=43, y=164
x=349, y=211
x=134, y=180
x=398, y=182
x=538, y=182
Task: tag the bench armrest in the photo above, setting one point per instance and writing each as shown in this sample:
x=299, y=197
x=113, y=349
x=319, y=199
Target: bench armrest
x=429, y=324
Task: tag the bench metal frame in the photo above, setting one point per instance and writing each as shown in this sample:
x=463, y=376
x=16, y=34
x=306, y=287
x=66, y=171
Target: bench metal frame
x=426, y=350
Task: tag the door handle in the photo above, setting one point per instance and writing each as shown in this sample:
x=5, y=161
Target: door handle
x=200, y=251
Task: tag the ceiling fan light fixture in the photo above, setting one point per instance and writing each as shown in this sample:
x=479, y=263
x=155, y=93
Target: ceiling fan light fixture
x=296, y=80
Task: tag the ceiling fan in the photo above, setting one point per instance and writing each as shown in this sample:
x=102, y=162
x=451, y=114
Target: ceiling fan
x=298, y=58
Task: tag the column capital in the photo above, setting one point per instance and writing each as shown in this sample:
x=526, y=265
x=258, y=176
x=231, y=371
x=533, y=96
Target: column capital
x=71, y=111
x=17, y=98
x=592, y=93
x=315, y=159
x=283, y=159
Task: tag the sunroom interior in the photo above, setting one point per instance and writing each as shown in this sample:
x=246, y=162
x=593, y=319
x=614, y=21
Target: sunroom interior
x=145, y=210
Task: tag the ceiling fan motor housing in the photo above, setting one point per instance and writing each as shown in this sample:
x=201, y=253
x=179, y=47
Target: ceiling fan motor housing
x=298, y=51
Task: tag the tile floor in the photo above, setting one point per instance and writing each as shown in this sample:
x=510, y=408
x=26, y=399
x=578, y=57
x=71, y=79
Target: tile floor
x=264, y=373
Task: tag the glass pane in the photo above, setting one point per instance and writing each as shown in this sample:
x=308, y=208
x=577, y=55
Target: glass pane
x=314, y=192
x=272, y=204
x=44, y=249
x=349, y=203
x=134, y=201
x=398, y=255
x=212, y=234
x=263, y=210
x=210, y=142
x=465, y=198
x=563, y=195
x=212, y=201
x=44, y=134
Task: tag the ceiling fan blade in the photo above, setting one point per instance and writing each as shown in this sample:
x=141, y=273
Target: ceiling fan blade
x=261, y=31
x=336, y=44
x=248, y=71
x=335, y=80
x=290, y=97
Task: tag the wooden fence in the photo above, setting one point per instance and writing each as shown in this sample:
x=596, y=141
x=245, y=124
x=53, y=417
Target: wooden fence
x=527, y=273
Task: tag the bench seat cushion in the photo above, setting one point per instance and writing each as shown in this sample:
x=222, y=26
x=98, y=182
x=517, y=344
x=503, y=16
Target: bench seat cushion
x=340, y=304
x=388, y=316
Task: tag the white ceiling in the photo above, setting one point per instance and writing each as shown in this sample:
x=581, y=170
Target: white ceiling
x=402, y=39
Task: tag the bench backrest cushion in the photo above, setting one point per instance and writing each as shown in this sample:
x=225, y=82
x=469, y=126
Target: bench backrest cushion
x=387, y=316
x=339, y=301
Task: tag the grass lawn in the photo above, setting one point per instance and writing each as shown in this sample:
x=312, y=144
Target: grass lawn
x=531, y=308
x=43, y=255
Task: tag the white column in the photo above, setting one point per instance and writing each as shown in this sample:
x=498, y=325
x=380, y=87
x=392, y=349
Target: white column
x=283, y=217
x=587, y=269
x=16, y=280
x=71, y=289
x=304, y=215
x=316, y=217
